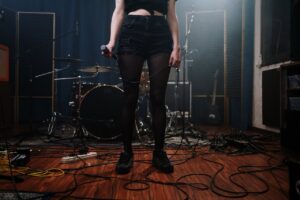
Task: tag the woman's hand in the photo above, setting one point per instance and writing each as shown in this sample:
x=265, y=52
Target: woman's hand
x=173, y=24
x=109, y=51
x=175, y=58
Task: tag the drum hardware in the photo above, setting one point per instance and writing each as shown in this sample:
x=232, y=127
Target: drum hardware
x=144, y=120
x=95, y=69
x=143, y=114
x=51, y=72
x=76, y=77
x=172, y=116
x=144, y=86
x=55, y=115
x=97, y=110
x=75, y=120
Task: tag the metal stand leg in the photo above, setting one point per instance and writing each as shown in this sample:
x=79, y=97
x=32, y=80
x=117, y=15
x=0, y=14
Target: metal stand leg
x=52, y=124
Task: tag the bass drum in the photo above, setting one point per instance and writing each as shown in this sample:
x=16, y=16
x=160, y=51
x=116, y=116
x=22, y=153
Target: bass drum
x=100, y=112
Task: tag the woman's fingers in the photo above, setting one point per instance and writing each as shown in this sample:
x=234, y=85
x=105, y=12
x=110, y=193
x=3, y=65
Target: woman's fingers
x=107, y=50
x=174, y=60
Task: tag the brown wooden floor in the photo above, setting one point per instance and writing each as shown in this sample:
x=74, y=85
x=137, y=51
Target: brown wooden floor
x=96, y=178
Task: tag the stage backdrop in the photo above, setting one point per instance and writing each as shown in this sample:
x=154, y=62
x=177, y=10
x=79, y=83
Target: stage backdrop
x=83, y=25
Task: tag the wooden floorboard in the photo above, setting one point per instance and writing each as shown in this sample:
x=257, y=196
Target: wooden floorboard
x=96, y=178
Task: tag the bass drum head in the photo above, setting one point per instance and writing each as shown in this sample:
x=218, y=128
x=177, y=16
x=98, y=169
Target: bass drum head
x=100, y=112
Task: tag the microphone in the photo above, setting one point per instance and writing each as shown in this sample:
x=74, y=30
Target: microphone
x=106, y=52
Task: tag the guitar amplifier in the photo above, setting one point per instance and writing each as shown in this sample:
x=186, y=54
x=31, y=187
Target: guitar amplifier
x=178, y=98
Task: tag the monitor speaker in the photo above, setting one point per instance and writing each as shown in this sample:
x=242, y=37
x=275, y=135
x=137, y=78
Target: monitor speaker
x=178, y=97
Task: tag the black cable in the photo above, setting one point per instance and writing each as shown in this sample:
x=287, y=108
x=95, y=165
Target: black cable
x=280, y=186
x=128, y=184
x=192, y=153
x=10, y=170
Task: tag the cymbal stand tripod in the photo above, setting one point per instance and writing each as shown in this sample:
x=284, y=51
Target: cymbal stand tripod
x=55, y=115
x=79, y=131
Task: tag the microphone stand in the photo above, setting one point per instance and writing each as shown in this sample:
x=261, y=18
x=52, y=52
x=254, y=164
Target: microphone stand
x=183, y=105
x=184, y=58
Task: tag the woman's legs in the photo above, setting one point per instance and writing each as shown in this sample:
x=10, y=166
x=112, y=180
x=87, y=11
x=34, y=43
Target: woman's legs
x=159, y=75
x=130, y=68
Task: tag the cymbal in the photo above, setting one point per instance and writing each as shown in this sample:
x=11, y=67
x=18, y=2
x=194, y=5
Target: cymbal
x=95, y=69
x=73, y=60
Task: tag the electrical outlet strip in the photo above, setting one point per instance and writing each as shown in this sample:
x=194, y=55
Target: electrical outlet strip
x=68, y=159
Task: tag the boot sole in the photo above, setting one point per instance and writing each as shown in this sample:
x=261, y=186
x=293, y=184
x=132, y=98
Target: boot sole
x=168, y=170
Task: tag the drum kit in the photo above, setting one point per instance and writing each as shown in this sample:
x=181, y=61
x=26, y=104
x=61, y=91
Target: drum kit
x=96, y=107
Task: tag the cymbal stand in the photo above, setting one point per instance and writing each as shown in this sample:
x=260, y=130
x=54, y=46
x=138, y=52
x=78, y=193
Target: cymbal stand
x=79, y=131
x=186, y=125
x=76, y=120
x=55, y=115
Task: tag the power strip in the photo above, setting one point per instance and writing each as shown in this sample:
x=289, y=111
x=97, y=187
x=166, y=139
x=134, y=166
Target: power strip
x=68, y=159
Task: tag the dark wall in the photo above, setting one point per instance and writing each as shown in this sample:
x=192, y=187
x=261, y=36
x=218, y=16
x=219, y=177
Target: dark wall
x=81, y=27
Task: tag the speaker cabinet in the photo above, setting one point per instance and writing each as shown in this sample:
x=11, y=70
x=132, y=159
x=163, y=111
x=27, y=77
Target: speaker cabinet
x=290, y=106
x=294, y=180
x=295, y=31
x=271, y=97
x=6, y=114
x=7, y=55
x=35, y=55
x=5, y=101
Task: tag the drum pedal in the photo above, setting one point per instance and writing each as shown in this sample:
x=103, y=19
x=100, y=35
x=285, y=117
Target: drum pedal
x=69, y=159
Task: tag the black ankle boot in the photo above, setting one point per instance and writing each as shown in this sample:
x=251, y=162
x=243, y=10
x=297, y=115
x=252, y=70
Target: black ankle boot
x=161, y=162
x=125, y=163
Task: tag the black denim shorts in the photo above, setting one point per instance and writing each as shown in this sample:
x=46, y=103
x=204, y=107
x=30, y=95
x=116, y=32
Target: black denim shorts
x=145, y=36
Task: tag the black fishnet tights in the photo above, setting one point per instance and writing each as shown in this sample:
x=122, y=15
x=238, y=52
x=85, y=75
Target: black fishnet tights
x=130, y=68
